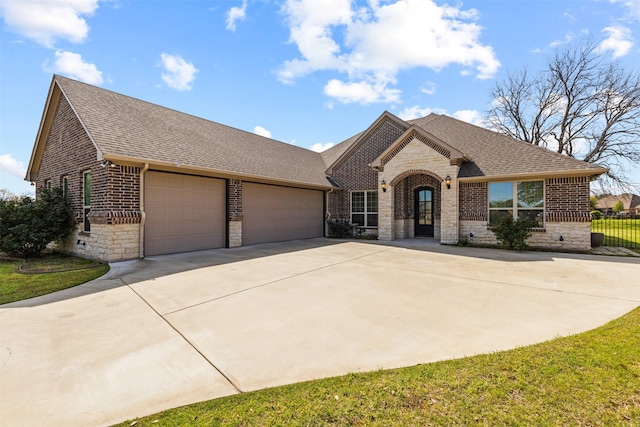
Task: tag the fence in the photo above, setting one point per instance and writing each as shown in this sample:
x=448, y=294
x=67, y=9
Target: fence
x=618, y=230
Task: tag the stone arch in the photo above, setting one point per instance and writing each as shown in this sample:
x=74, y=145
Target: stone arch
x=410, y=172
x=404, y=186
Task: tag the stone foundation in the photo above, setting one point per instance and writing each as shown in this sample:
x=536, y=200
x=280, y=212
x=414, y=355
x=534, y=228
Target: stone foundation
x=106, y=242
x=235, y=234
x=576, y=236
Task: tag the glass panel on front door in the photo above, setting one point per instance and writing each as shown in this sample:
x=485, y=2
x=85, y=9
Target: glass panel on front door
x=424, y=212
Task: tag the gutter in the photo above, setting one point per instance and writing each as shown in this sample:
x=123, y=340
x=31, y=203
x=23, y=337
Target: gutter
x=143, y=215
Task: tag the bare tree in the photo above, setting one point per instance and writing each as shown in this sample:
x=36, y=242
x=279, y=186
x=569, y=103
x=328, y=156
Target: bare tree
x=579, y=105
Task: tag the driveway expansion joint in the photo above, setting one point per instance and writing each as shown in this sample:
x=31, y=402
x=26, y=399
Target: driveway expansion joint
x=235, y=386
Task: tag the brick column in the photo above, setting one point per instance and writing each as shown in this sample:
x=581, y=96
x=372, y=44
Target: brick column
x=234, y=202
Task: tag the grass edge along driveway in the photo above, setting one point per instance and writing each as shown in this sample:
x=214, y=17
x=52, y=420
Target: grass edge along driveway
x=591, y=378
x=44, y=277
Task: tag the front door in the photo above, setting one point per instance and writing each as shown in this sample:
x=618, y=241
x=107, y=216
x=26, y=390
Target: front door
x=424, y=212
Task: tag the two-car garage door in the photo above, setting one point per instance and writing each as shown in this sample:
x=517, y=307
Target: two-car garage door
x=188, y=213
x=271, y=213
x=184, y=213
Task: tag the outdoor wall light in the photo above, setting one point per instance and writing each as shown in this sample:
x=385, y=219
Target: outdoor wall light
x=383, y=184
x=561, y=239
x=108, y=163
x=447, y=181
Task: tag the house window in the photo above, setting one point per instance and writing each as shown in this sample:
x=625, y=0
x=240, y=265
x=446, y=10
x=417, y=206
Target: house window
x=65, y=186
x=522, y=199
x=364, y=208
x=47, y=184
x=86, y=201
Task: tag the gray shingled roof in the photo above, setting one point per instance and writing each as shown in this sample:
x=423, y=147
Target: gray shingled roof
x=494, y=154
x=127, y=127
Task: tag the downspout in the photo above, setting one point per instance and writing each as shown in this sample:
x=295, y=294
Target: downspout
x=143, y=215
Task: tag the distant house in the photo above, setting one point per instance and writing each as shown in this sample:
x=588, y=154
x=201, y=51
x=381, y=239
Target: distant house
x=630, y=203
x=147, y=180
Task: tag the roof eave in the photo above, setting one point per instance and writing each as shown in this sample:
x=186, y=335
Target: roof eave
x=592, y=173
x=183, y=168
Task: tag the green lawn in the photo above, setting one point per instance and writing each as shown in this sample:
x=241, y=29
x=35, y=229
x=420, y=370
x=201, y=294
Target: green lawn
x=618, y=232
x=590, y=379
x=43, y=278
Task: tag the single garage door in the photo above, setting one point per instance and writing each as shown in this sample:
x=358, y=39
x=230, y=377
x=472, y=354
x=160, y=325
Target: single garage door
x=272, y=213
x=184, y=213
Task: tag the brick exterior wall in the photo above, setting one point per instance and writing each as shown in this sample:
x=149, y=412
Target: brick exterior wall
x=234, y=191
x=567, y=199
x=474, y=199
x=567, y=215
x=115, y=192
x=355, y=174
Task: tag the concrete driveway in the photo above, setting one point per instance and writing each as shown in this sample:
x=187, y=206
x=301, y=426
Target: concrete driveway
x=171, y=330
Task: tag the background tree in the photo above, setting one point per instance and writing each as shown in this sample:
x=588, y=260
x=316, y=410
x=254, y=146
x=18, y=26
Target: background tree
x=618, y=206
x=579, y=105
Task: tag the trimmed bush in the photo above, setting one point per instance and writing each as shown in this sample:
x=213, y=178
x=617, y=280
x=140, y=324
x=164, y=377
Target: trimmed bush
x=596, y=214
x=513, y=234
x=27, y=226
x=339, y=228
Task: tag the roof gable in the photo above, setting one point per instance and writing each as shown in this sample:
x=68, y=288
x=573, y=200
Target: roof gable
x=346, y=148
x=431, y=141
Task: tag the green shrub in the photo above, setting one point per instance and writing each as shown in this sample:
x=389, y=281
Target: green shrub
x=513, y=234
x=596, y=214
x=339, y=228
x=27, y=226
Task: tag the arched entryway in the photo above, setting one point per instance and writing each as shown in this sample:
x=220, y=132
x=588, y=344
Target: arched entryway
x=416, y=201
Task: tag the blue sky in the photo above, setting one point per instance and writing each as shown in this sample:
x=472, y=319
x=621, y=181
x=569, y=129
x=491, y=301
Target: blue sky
x=306, y=72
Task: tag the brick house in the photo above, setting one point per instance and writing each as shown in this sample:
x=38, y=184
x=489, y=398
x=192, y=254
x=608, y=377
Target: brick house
x=147, y=180
x=630, y=203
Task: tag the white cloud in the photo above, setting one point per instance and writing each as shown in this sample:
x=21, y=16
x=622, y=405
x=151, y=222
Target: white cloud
x=10, y=166
x=429, y=88
x=361, y=92
x=259, y=130
x=632, y=6
x=72, y=65
x=179, y=74
x=236, y=14
x=373, y=43
x=470, y=116
x=619, y=41
x=319, y=147
x=46, y=21
x=567, y=39
x=416, y=112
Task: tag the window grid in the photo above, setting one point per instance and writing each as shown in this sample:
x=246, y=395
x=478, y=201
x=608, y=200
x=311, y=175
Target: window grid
x=364, y=208
x=529, y=201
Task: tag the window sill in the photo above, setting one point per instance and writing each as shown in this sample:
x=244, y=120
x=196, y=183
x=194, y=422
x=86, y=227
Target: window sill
x=533, y=230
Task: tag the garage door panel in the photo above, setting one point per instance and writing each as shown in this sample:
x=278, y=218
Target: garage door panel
x=184, y=213
x=273, y=213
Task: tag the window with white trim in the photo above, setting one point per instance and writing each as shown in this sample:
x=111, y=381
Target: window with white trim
x=47, y=184
x=528, y=197
x=65, y=186
x=86, y=201
x=364, y=208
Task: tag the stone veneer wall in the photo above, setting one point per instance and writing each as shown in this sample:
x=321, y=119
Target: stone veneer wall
x=418, y=157
x=106, y=242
